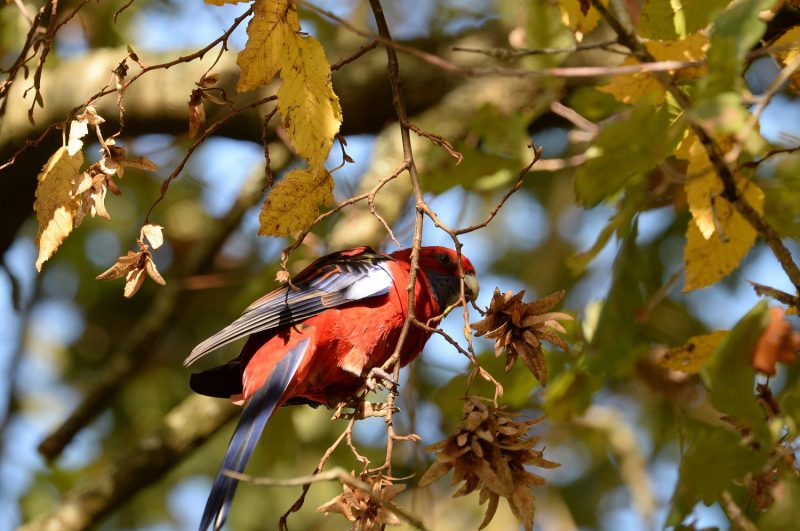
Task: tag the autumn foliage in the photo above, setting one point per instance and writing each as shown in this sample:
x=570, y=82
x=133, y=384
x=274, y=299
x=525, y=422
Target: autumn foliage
x=635, y=159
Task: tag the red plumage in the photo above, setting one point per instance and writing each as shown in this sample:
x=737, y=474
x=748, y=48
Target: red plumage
x=317, y=342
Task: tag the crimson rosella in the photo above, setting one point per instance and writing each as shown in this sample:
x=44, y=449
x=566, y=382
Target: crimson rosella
x=317, y=340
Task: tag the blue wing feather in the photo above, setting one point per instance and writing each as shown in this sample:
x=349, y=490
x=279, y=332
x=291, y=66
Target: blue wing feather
x=332, y=281
x=254, y=417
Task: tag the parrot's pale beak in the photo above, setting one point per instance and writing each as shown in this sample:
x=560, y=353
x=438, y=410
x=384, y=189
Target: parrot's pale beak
x=471, y=286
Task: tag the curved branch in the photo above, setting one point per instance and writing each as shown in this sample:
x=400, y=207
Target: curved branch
x=186, y=427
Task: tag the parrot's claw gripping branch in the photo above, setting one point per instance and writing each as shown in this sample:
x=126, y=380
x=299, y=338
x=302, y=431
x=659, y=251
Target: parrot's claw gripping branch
x=363, y=409
x=378, y=379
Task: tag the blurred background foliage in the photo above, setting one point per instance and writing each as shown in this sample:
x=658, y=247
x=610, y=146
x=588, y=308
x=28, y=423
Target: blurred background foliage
x=618, y=423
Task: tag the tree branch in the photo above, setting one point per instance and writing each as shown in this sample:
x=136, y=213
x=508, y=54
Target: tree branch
x=133, y=352
x=731, y=192
x=186, y=427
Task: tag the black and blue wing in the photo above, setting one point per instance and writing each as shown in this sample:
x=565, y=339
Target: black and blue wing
x=331, y=281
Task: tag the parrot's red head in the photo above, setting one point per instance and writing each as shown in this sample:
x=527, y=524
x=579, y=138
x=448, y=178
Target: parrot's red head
x=440, y=265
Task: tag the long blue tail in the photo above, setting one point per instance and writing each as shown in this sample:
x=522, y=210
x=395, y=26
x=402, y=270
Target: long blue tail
x=254, y=417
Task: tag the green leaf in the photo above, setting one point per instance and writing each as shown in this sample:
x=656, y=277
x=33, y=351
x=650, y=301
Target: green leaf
x=713, y=462
x=544, y=28
x=675, y=19
x=626, y=149
x=569, y=394
x=619, y=223
x=734, y=32
x=613, y=344
x=493, y=151
x=730, y=375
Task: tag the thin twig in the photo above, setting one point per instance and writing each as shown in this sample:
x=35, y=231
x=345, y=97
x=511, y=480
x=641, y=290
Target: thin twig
x=208, y=132
x=282, y=522
x=105, y=91
x=574, y=117
x=133, y=352
x=505, y=53
x=449, y=66
x=735, y=513
x=357, y=54
x=755, y=114
x=408, y=160
x=334, y=474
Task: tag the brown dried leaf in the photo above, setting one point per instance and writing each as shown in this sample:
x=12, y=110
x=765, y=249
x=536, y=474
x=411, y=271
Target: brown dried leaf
x=133, y=281
x=153, y=233
x=358, y=508
x=152, y=272
x=209, y=80
x=544, y=304
x=490, y=452
x=140, y=163
x=217, y=96
x=197, y=113
x=519, y=328
x=98, y=203
x=436, y=471
x=778, y=343
x=491, y=508
x=521, y=503
x=123, y=266
x=534, y=360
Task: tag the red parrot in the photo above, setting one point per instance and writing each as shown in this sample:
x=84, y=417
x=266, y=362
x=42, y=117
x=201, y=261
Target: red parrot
x=316, y=340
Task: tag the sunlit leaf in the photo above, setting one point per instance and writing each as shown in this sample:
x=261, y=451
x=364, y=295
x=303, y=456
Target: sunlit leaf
x=310, y=111
x=575, y=17
x=630, y=88
x=731, y=237
x=55, y=203
x=272, y=37
x=692, y=356
x=672, y=19
x=293, y=204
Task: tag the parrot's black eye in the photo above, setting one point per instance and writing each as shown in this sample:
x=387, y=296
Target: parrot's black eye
x=443, y=258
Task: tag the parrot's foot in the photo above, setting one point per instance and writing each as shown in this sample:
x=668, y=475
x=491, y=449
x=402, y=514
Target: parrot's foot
x=380, y=379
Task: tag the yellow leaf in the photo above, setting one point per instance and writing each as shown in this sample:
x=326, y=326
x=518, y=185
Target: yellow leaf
x=682, y=151
x=573, y=17
x=708, y=260
x=703, y=188
x=293, y=204
x=791, y=37
x=691, y=48
x=692, y=356
x=55, y=204
x=629, y=88
x=223, y=2
x=310, y=111
x=272, y=34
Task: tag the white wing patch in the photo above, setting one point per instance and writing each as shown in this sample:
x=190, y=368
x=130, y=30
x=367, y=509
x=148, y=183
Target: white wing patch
x=377, y=281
